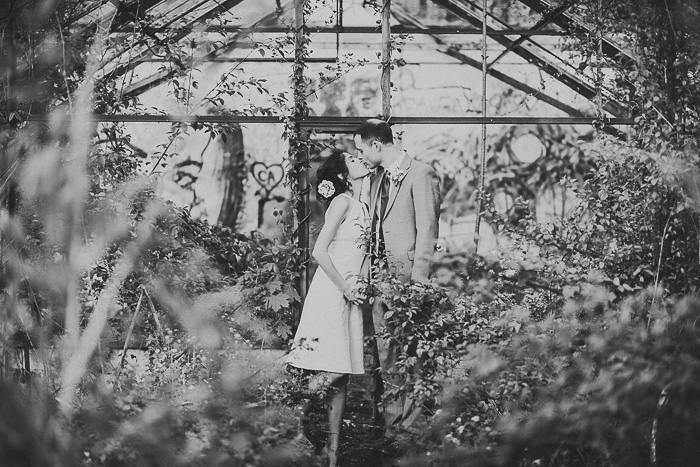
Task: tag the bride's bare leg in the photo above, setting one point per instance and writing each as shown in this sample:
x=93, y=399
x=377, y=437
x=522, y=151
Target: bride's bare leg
x=323, y=380
x=336, y=409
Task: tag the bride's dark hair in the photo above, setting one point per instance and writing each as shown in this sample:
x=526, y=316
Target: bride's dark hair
x=335, y=171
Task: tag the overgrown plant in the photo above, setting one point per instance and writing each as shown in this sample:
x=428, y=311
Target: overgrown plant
x=656, y=72
x=582, y=329
x=87, y=243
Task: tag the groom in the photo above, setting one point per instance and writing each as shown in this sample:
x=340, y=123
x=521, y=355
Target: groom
x=405, y=207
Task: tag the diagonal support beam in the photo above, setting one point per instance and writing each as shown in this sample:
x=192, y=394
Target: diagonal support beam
x=131, y=13
x=525, y=51
x=545, y=21
x=144, y=52
x=162, y=76
x=407, y=19
x=566, y=21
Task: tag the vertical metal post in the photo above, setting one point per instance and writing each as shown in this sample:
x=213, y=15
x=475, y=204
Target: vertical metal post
x=482, y=163
x=339, y=25
x=304, y=215
x=8, y=200
x=599, y=57
x=299, y=149
x=386, y=60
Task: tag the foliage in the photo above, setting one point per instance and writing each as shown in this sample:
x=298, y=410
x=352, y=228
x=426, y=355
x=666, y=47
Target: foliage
x=138, y=423
x=507, y=177
x=570, y=319
x=572, y=347
x=194, y=259
x=86, y=242
x=41, y=62
x=599, y=384
x=656, y=74
x=585, y=360
x=633, y=226
x=33, y=434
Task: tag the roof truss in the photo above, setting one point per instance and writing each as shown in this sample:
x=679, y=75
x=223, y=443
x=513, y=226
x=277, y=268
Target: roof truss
x=531, y=53
x=194, y=13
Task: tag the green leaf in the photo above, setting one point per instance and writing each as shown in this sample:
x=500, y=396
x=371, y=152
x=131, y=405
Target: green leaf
x=283, y=330
x=276, y=302
x=293, y=294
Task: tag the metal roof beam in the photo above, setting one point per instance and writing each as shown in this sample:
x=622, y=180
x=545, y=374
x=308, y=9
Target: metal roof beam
x=404, y=17
x=156, y=79
x=144, y=50
x=400, y=29
x=546, y=20
x=344, y=122
x=443, y=47
x=567, y=22
x=611, y=106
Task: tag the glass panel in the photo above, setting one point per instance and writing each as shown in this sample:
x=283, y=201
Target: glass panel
x=248, y=13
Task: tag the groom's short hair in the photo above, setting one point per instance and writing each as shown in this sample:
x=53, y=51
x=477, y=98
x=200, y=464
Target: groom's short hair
x=377, y=130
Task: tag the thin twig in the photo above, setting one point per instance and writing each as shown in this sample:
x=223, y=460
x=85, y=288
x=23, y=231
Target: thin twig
x=670, y=19
x=658, y=266
x=129, y=332
x=176, y=134
x=65, y=67
x=155, y=316
x=663, y=397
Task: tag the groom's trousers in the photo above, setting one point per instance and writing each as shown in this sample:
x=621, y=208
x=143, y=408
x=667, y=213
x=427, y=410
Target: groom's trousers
x=400, y=410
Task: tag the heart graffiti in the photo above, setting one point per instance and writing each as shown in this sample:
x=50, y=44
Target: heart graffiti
x=267, y=176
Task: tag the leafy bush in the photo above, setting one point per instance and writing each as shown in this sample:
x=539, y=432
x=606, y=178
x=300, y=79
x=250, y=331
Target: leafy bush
x=572, y=345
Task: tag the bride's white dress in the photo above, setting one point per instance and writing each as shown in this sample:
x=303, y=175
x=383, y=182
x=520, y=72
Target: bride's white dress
x=329, y=336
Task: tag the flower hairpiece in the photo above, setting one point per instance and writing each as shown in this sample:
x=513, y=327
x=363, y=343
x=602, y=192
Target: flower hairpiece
x=326, y=189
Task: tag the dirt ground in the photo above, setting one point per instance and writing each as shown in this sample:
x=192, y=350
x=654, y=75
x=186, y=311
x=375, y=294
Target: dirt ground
x=359, y=429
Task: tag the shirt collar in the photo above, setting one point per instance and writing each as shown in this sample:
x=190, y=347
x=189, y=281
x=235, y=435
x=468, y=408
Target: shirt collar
x=397, y=163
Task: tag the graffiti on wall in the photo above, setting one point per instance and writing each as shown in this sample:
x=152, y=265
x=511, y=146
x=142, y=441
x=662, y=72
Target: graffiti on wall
x=268, y=177
x=417, y=94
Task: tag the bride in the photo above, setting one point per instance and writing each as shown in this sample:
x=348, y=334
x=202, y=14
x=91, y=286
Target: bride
x=329, y=337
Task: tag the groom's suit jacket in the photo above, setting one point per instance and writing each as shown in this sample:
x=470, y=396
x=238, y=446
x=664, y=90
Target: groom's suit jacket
x=410, y=223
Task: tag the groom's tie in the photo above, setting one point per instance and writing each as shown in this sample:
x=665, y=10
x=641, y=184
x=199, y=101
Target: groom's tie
x=386, y=185
x=377, y=218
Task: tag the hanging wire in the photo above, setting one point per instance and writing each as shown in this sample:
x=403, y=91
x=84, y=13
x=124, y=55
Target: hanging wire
x=482, y=162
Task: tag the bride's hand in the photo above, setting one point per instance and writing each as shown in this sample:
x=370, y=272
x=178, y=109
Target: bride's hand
x=354, y=296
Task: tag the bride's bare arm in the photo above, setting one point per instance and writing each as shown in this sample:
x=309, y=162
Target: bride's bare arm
x=334, y=217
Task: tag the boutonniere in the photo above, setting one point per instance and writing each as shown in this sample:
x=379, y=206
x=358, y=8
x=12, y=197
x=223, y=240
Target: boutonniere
x=396, y=176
